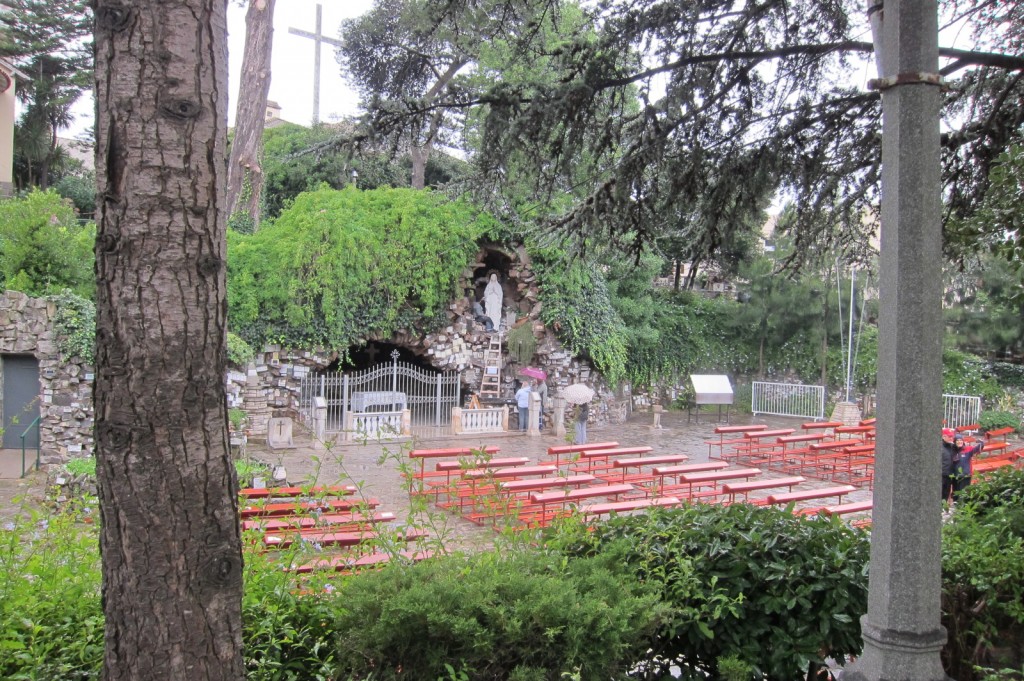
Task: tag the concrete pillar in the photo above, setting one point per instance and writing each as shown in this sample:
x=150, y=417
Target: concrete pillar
x=7, y=100
x=534, y=415
x=901, y=630
x=559, y=407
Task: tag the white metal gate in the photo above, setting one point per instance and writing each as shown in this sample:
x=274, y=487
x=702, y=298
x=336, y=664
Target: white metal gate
x=386, y=389
x=788, y=399
x=960, y=410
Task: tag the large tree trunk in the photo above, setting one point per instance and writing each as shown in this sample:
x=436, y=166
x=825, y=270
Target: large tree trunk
x=245, y=175
x=170, y=544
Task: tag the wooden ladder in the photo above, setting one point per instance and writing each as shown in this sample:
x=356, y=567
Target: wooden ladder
x=490, y=383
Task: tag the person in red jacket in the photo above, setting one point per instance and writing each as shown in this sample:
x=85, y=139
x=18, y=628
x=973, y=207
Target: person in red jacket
x=962, y=464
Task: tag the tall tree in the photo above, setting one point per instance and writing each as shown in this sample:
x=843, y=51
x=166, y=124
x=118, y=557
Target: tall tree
x=759, y=89
x=48, y=41
x=170, y=543
x=416, y=55
x=245, y=171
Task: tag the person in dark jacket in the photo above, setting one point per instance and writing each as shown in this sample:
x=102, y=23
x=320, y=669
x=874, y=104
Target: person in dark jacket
x=948, y=458
x=962, y=465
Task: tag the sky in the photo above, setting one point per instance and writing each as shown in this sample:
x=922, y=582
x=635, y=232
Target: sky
x=291, y=71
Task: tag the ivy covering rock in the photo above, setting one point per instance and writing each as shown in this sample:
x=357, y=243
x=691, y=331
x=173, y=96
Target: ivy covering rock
x=339, y=267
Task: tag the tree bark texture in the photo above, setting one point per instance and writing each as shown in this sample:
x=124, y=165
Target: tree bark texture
x=170, y=544
x=245, y=174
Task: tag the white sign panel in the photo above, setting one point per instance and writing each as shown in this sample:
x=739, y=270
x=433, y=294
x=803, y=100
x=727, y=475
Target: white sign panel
x=712, y=388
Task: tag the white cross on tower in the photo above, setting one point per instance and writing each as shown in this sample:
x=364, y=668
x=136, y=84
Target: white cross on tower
x=318, y=38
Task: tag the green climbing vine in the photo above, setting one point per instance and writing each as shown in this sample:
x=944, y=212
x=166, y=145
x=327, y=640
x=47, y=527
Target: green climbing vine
x=341, y=265
x=75, y=325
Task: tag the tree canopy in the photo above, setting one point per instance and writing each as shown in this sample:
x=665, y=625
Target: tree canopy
x=48, y=40
x=693, y=113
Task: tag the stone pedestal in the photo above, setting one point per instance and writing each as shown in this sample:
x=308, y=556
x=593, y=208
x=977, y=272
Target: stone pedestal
x=534, y=415
x=848, y=413
x=559, y=405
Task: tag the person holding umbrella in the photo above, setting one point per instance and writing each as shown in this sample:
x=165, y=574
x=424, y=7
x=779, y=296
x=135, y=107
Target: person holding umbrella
x=582, y=414
x=580, y=394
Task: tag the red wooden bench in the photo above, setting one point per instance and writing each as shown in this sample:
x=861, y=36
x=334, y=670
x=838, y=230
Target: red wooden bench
x=998, y=434
x=639, y=463
x=821, y=425
x=788, y=456
x=466, y=467
x=991, y=463
x=299, y=507
x=508, y=497
x=855, y=432
x=477, y=453
x=744, y=488
x=598, y=459
x=810, y=494
x=707, y=478
x=594, y=510
x=283, y=492
x=562, y=497
x=558, y=450
x=324, y=520
x=722, y=431
x=756, y=444
x=352, y=563
x=837, y=509
x=285, y=539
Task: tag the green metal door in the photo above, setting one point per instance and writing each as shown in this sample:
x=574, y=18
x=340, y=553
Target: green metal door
x=21, y=391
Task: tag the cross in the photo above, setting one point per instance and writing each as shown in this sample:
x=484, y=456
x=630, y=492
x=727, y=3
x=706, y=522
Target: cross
x=318, y=38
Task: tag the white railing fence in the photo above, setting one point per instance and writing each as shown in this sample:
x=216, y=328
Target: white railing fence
x=467, y=421
x=788, y=399
x=377, y=425
x=960, y=410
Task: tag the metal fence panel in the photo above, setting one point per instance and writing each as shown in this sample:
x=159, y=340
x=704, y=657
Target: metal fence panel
x=429, y=395
x=960, y=410
x=788, y=399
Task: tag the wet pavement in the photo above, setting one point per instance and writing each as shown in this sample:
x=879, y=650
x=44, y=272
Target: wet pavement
x=377, y=467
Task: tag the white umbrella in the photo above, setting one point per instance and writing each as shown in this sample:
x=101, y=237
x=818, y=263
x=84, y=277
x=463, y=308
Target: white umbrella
x=578, y=393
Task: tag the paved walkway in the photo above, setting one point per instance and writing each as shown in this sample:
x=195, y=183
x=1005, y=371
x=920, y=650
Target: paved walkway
x=377, y=467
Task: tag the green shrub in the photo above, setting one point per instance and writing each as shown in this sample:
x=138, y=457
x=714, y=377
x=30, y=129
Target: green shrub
x=51, y=619
x=43, y=248
x=983, y=577
x=752, y=585
x=83, y=465
x=239, y=352
x=992, y=420
x=524, y=616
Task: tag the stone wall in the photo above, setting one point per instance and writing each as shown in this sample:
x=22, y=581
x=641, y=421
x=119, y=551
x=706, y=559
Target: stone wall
x=272, y=383
x=65, y=390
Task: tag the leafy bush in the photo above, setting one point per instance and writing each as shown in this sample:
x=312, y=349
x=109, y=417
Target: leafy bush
x=524, y=616
x=51, y=620
x=983, y=577
x=75, y=324
x=992, y=420
x=43, y=248
x=239, y=352
x=755, y=585
x=964, y=374
x=340, y=266
x=82, y=465
x=575, y=302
